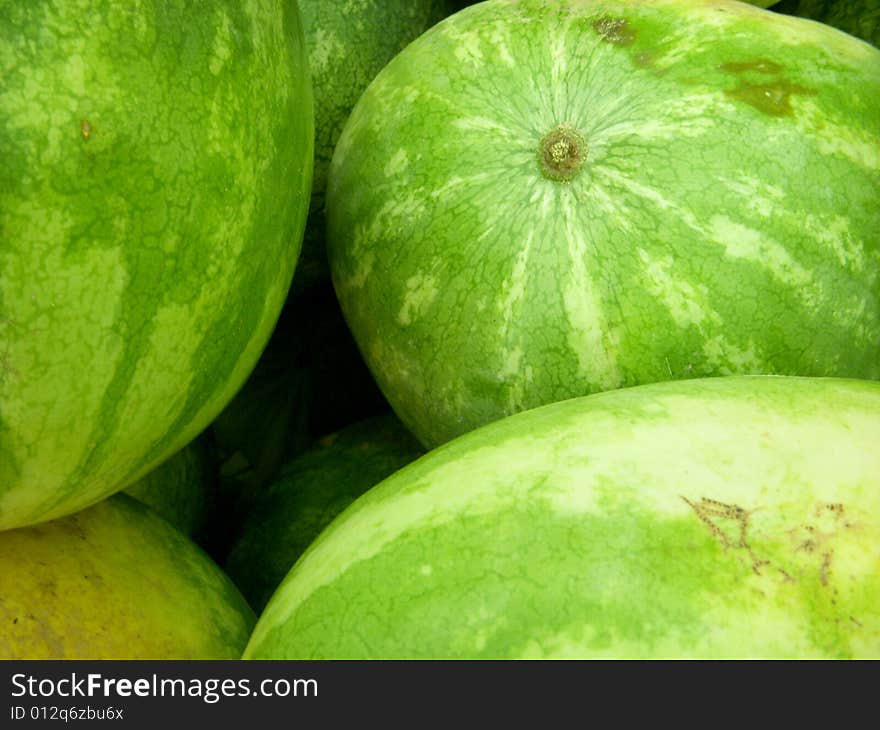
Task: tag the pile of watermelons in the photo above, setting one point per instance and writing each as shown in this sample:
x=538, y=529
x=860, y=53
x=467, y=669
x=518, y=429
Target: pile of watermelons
x=414, y=328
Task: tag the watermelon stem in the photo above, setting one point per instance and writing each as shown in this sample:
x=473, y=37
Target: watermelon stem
x=561, y=153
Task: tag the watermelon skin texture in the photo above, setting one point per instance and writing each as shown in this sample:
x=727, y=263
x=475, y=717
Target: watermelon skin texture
x=461, y=4
x=183, y=488
x=157, y=170
x=860, y=18
x=725, y=218
x=348, y=42
x=311, y=491
x=310, y=381
x=115, y=581
x=730, y=517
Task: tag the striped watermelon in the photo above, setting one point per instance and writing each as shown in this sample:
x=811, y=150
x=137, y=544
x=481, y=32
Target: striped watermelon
x=309, y=381
x=718, y=517
x=156, y=173
x=348, y=43
x=312, y=489
x=543, y=199
x=115, y=582
x=183, y=488
x=459, y=4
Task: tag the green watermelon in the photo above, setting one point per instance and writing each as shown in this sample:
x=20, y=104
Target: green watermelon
x=719, y=517
x=459, y=4
x=312, y=489
x=309, y=381
x=156, y=173
x=263, y=425
x=183, y=488
x=860, y=18
x=348, y=42
x=115, y=582
x=543, y=199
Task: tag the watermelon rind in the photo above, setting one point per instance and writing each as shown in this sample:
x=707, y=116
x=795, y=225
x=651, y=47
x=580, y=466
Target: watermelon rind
x=731, y=517
x=538, y=200
x=157, y=162
x=115, y=581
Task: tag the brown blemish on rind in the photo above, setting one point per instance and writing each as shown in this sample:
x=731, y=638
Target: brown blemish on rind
x=819, y=539
x=773, y=99
x=710, y=511
x=808, y=546
x=825, y=569
x=835, y=508
x=707, y=509
x=814, y=538
x=616, y=31
x=762, y=86
x=85, y=129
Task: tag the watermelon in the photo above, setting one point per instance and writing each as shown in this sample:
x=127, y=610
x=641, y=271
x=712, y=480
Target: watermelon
x=182, y=489
x=263, y=424
x=309, y=381
x=348, y=42
x=538, y=200
x=312, y=489
x=860, y=18
x=156, y=174
x=115, y=581
x=460, y=4
x=719, y=517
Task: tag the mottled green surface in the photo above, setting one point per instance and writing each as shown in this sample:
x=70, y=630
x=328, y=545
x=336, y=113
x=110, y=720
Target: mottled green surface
x=182, y=488
x=309, y=381
x=115, y=582
x=348, y=42
x=719, y=517
x=156, y=173
x=311, y=490
x=860, y=18
x=725, y=218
